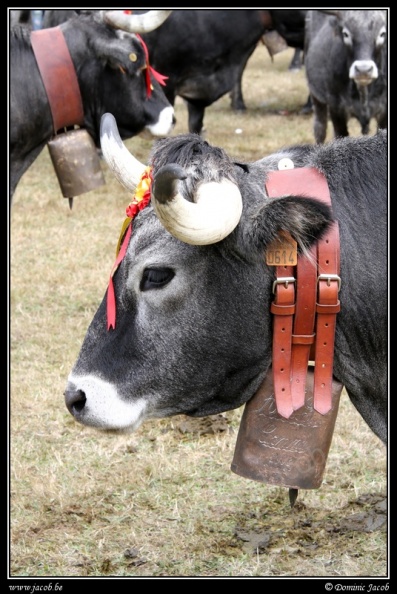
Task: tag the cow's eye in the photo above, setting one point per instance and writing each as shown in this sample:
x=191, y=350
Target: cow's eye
x=155, y=278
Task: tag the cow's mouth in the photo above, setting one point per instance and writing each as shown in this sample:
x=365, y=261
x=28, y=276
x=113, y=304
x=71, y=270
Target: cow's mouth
x=363, y=81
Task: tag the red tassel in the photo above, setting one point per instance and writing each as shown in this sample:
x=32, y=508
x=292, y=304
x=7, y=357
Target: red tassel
x=159, y=77
x=111, y=306
x=111, y=300
x=149, y=70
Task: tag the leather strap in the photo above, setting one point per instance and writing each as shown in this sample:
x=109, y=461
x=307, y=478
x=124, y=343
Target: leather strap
x=293, y=341
x=283, y=307
x=303, y=335
x=59, y=77
x=327, y=307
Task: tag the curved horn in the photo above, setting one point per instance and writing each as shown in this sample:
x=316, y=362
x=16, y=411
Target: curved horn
x=212, y=217
x=136, y=23
x=126, y=168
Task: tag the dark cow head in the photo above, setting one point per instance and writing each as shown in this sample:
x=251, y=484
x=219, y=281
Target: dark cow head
x=185, y=326
x=120, y=68
x=113, y=72
x=363, y=34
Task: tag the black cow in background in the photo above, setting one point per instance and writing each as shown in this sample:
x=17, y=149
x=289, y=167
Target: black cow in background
x=204, y=52
x=108, y=79
x=346, y=68
x=290, y=26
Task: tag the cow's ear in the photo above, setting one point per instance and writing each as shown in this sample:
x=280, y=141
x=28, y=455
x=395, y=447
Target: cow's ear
x=305, y=219
x=123, y=53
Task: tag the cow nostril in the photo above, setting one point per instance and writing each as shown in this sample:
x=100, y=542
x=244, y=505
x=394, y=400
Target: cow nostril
x=75, y=401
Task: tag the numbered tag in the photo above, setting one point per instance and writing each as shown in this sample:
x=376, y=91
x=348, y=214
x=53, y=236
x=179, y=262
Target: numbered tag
x=283, y=251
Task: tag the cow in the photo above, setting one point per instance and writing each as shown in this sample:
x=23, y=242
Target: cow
x=346, y=68
x=102, y=48
x=185, y=326
x=204, y=53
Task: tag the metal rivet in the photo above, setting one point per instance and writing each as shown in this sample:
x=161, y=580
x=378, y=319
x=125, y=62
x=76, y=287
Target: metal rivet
x=286, y=164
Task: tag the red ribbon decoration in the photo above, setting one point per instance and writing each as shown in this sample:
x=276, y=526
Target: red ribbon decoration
x=111, y=299
x=140, y=200
x=149, y=70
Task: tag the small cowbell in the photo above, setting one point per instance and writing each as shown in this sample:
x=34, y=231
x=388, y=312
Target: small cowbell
x=76, y=162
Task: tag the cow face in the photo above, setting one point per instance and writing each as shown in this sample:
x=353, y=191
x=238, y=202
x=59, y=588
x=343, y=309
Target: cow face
x=192, y=331
x=117, y=65
x=178, y=345
x=363, y=34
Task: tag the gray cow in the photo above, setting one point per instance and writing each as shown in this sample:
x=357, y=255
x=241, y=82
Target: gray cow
x=192, y=330
x=346, y=68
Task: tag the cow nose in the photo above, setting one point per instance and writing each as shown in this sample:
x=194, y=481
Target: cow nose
x=75, y=401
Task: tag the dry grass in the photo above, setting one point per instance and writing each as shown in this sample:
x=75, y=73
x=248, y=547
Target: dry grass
x=160, y=502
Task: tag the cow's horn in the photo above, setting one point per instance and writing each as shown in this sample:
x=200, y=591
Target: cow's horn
x=126, y=168
x=136, y=23
x=214, y=214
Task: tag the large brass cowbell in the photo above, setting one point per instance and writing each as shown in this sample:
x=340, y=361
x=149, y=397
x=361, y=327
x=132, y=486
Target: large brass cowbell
x=286, y=452
x=76, y=162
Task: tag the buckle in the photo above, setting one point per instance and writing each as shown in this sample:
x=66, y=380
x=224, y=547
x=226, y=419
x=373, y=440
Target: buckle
x=283, y=280
x=329, y=278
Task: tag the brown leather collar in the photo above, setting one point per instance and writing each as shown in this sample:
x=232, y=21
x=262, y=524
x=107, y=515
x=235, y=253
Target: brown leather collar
x=59, y=77
x=305, y=305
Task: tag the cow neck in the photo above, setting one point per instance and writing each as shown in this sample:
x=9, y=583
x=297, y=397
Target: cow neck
x=59, y=77
x=305, y=304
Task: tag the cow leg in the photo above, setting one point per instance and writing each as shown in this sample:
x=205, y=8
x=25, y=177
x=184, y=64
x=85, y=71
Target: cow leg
x=364, y=126
x=339, y=121
x=320, y=112
x=236, y=97
x=308, y=107
x=195, y=116
x=383, y=121
x=236, y=94
x=296, y=62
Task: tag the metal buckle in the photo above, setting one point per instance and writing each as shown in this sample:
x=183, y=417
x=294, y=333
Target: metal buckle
x=283, y=280
x=329, y=278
